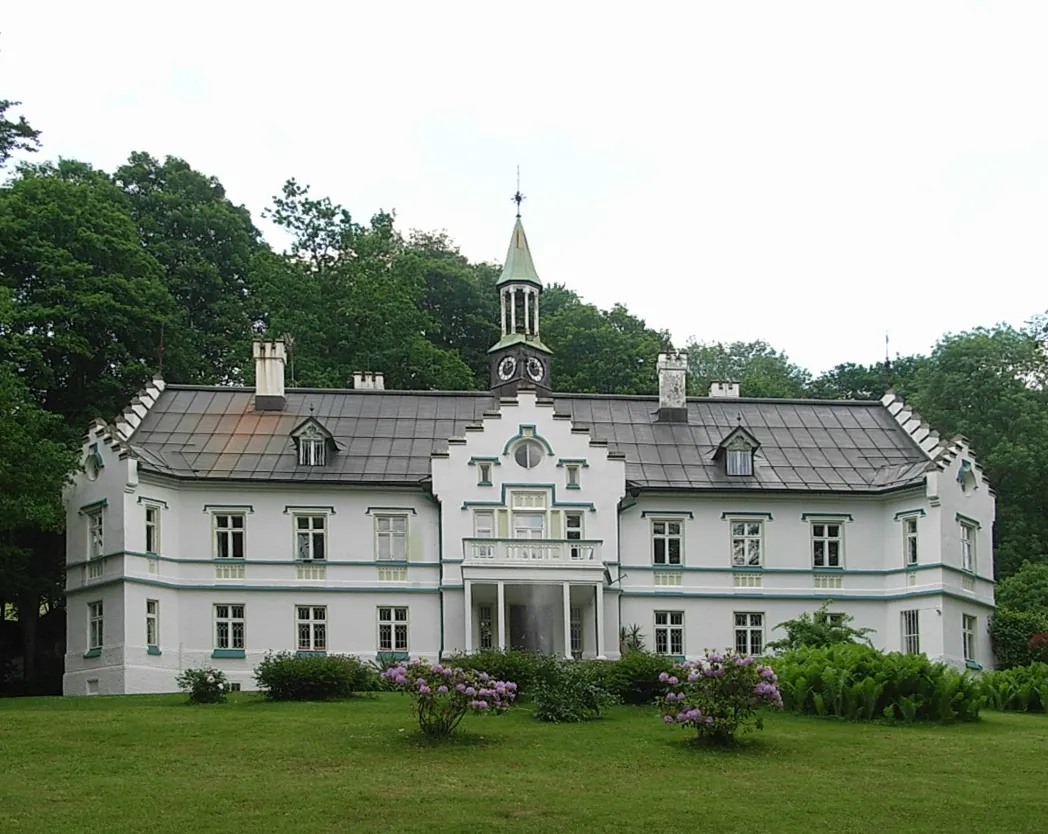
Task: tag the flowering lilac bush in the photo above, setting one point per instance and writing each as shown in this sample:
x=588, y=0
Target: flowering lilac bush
x=204, y=685
x=443, y=695
x=719, y=696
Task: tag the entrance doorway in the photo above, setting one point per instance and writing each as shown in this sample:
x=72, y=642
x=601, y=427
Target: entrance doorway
x=531, y=628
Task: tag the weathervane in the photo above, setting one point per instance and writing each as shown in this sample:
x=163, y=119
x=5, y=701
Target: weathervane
x=518, y=198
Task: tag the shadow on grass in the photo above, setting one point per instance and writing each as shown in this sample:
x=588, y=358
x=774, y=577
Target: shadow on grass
x=747, y=745
x=457, y=740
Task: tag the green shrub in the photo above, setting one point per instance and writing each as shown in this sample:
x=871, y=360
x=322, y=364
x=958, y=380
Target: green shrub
x=574, y=693
x=525, y=669
x=635, y=678
x=860, y=683
x=1022, y=688
x=819, y=629
x=204, y=685
x=289, y=677
x=1011, y=631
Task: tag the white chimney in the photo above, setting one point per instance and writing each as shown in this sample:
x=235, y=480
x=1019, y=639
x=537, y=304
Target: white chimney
x=373, y=381
x=724, y=388
x=270, y=357
x=673, y=372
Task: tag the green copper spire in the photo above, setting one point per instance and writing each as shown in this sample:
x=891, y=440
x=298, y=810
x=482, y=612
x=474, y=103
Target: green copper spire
x=519, y=268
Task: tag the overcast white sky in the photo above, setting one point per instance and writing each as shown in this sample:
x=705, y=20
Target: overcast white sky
x=810, y=174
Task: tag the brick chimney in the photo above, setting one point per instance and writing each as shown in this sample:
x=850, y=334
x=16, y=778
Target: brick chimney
x=724, y=388
x=673, y=372
x=270, y=358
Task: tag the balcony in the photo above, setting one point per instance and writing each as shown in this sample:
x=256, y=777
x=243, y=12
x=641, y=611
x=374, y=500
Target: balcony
x=533, y=552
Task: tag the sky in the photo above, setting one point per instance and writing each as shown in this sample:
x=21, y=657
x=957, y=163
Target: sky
x=810, y=174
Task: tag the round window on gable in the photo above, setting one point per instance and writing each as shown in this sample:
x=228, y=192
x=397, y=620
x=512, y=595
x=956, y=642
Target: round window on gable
x=528, y=453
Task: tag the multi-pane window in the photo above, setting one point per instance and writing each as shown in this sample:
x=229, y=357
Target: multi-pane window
x=573, y=532
x=391, y=537
x=826, y=544
x=229, y=626
x=968, y=547
x=740, y=462
x=669, y=632
x=749, y=633
x=229, y=536
x=484, y=473
x=484, y=528
x=312, y=451
x=667, y=540
x=909, y=539
x=484, y=618
x=152, y=623
x=911, y=633
x=746, y=540
x=576, y=632
x=392, y=629
x=94, y=625
x=152, y=528
x=95, y=534
x=312, y=628
x=571, y=473
x=310, y=537
x=835, y=620
x=968, y=636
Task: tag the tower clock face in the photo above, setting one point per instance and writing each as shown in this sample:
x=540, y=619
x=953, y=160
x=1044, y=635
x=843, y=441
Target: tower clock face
x=536, y=370
x=507, y=366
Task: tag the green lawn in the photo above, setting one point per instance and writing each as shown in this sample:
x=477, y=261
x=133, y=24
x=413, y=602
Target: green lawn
x=153, y=764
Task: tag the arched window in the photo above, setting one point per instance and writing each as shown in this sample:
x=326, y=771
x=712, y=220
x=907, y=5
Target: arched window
x=528, y=453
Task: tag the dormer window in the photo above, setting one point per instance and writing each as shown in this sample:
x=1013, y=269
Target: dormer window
x=740, y=461
x=737, y=450
x=312, y=451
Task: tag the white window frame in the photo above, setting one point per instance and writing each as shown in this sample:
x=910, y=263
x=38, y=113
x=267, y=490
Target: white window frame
x=746, y=537
x=311, y=628
x=485, y=626
x=574, y=532
x=484, y=528
x=153, y=623
x=749, y=632
x=95, y=624
x=228, y=531
x=391, y=536
x=393, y=624
x=575, y=625
x=484, y=473
x=969, y=628
x=573, y=476
x=911, y=544
x=968, y=534
x=152, y=523
x=312, y=451
x=911, y=631
x=96, y=531
x=669, y=633
x=661, y=532
x=739, y=462
x=825, y=539
x=533, y=453
x=230, y=615
x=305, y=538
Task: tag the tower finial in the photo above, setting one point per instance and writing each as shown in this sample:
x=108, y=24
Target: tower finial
x=518, y=198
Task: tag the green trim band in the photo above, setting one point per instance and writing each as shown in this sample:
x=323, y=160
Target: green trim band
x=575, y=461
x=229, y=653
x=521, y=436
x=95, y=652
x=232, y=561
x=725, y=516
x=834, y=595
x=828, y=516
x=905, y=513
x=837, y=571
x=228, y=508
x=667, y=513
x=303, y=585
x=304, y=508
x=475, y=460
x=573, y=486
x=94, y=505
x=302, y=653
x=382, y=510
x=967, y=519
x=154, y=650
x=588, y=505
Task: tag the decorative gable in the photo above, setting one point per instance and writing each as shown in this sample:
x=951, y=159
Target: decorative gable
x=313, y=442
x=736, y=451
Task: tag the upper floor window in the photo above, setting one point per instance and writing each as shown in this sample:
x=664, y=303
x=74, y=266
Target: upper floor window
x=391, y=538
x=826, y=544
x=312, y=451
x=152, y=528
x=484, y=473
x=737, y=450
x=909, y=539
x=573, y=533
x=572, y=475
x=95, y=533
x=529, y=453
x=310, y=537
x=968, y=547
x=747, y=539
x=740, y=462
x=667, y=539
x=229, y=535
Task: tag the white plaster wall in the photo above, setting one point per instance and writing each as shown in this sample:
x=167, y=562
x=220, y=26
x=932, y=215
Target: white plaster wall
x=978, y=504
x=107, y=668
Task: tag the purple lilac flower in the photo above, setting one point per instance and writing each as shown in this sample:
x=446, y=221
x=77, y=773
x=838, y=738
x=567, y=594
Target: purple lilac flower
x=470, y=691
x=664, y=676
x=483, y=676
x=713, y=657
x=400, y=680
x=668, y=719
x=746, y=661
x=461, y=687
x=672, y=680
x=436, y=667
x=423, y=689
x=442, y=690
x=692, y=677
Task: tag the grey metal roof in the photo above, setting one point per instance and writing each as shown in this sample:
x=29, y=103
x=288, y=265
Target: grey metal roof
x=387, y=438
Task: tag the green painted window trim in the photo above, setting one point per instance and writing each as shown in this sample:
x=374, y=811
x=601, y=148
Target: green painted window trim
x=973, y=664
x=229, y=653
x=521, y=436
x=834, y=516
x=390, y=510
x=967, y=519
x=726, y=516
x=142, y=499
x=304, y=509
x=573, y=461
x=667, y=514
x=506, y=487
x=829, y=570
x=397, y=563
x=834, y=594
x=485, y=483
x=302, y=653
x=94, y=505
x=909, y=513
x=153, y=650
x=493, y=460
x=229, y=508
x=95, y=652
x=747, y=568
x=392, y=657
x=573, y=486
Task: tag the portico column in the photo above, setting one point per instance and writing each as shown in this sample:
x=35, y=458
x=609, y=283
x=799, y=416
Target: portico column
x=600, y=622
x=502, y=615
x=467, y=592
x=567, y=621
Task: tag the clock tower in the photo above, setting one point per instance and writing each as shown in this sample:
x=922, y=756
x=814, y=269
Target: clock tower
x=519, y=360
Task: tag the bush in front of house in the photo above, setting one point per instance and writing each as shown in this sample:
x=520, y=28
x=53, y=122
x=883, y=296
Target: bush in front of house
x=575, y=692
x=285, y=676
x=634, y=679
x=443, y=695
x=719, y=696
x=526, y=669
x=1019, y=689
x=1012, y=633
x=204, y=685
x=859, y=683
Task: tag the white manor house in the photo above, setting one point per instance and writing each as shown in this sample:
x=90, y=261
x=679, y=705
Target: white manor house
x=212, y=524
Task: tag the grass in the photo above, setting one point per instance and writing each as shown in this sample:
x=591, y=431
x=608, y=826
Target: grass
x=151, y=763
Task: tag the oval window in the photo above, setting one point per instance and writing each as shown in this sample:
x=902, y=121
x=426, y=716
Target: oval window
x=528, y=454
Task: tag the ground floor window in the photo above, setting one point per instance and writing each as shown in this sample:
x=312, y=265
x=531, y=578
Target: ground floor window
x=484, y=612
x=576, y=632
x=749, y=633
x=229, y=626
x=669, y=632
x=312, y=628
x=94, y=625
x=911, y=635
x=392, y=629
x=968, y=633
x=152, y=623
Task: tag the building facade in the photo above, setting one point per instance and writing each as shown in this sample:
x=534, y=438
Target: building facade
x=213, y=524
